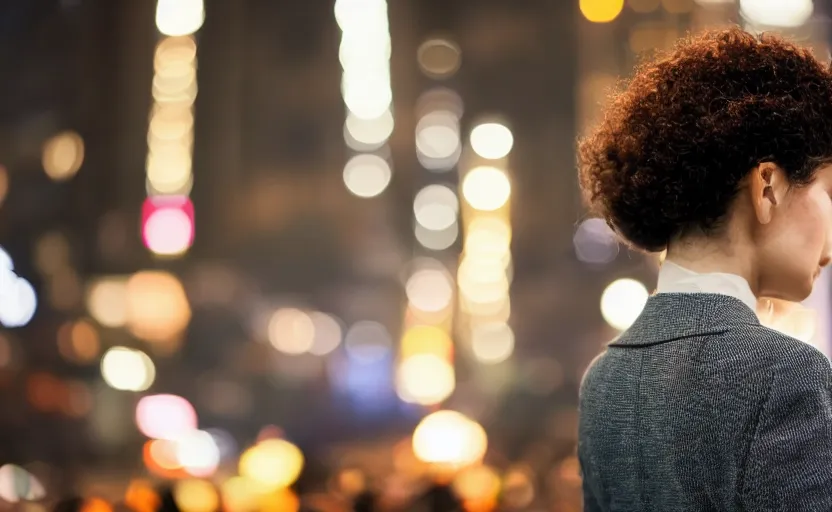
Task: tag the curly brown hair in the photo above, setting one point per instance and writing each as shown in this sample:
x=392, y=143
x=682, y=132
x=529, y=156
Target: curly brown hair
x=676, y=142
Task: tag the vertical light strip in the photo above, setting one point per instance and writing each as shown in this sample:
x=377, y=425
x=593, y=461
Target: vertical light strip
x=485, y=272
x=168, y=214
x=426, y=374
x=364, y=53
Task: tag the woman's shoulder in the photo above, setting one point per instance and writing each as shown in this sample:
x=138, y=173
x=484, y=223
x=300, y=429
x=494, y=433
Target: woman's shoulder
x=782, y=356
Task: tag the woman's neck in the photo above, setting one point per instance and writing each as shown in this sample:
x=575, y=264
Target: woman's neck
x=709, y=256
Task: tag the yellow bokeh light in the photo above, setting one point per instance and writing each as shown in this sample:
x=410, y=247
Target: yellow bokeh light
x=196, y=496
x=272, y=464
x=240, y=494
x=486, y=188
x=622, y=302
x=477, y=483
x=488, y=236
x=157, y=307
x=426, y=339
x=482, y=280
x=282, y=500
x=601, y=11
x=63, y=155
x=449, y=438
x=425, y=379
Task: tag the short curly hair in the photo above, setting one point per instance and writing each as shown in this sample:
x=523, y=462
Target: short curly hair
x=678, y=139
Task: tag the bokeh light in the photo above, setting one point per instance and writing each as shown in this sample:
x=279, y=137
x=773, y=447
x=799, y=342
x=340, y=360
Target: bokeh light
x=492, y=342
x=478, y=485
x=436, y=240
x=241, y=494
x=439, y=58
x=449, y=438
x=437, y=135
x=327, y=335
x=194, y=495
x=167, y=417
x=775, y=13
x=601, y=11
x=291, y=331
x=368, y=134
x=425, y=379
x=179, y=17
x=273, y=464
x=17, y=484
x=622, y=302
x=595, y=242
x=367, y=341
x=107, y=301
x=486, y=188
x=197, y=453
x=367, y=175
x=78, y=341
x=430, y=289
x=157, y=308
x=168, y=224
x=436, y=207
x=127, y=369
x=4, y=183
x=491, y=140
x=18, y=300
x=63, y=155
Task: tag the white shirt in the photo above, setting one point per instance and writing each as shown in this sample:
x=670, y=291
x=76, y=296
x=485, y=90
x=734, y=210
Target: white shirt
x=676, y=279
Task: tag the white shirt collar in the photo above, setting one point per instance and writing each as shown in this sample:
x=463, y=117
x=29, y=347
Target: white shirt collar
x=676, y=279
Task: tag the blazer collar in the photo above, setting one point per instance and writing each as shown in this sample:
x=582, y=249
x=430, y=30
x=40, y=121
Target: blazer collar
x=670, y=316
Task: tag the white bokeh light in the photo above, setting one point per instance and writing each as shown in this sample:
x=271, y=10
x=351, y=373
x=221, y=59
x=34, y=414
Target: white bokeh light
x=622, y=302
x=18, y=301
x=430, y=290
x=367, y=175
x=777, y=13
x=179, y=17
x=127, y=369
x=491, y=140
x=198, y=453
x=436, y=207
x=437, y=135
x=486, y=188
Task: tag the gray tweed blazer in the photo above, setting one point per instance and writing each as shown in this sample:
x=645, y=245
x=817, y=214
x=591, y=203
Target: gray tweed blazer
x=699, y=407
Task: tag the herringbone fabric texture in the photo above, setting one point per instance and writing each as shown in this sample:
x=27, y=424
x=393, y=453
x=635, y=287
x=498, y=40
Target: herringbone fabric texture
x=698, y=407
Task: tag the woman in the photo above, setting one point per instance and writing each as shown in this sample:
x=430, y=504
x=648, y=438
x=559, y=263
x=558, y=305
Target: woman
x=721, y=154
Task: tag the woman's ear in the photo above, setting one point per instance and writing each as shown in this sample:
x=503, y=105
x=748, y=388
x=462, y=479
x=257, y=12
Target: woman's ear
x=768, y=185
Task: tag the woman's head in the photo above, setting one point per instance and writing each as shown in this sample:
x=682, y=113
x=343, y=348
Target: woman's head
x=728, y=137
